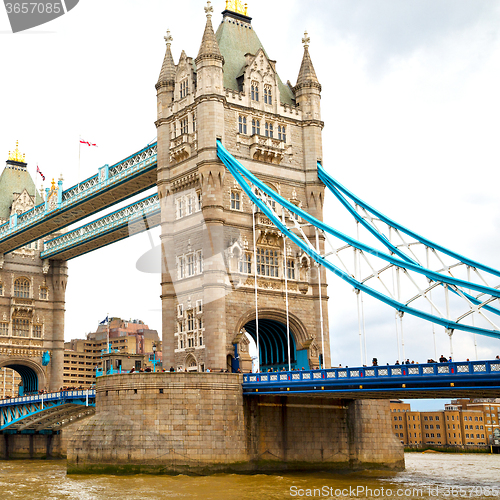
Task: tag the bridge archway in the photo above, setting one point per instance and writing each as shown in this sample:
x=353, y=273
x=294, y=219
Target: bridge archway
x=273, y=339
x=32, y=375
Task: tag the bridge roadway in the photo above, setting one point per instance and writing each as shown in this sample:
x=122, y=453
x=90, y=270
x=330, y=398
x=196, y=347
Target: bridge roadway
x=413, y=381
x=109, y=186
x=45, y=413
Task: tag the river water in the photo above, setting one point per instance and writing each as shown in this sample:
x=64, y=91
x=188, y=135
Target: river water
x=427, y=475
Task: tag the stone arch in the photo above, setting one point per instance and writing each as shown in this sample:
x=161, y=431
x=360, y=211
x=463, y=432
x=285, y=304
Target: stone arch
x=32, y=374
x=190, y=363
x=276, y=319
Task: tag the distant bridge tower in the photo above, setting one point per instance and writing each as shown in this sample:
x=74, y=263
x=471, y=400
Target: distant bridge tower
x=231, y=91
x=32, y=291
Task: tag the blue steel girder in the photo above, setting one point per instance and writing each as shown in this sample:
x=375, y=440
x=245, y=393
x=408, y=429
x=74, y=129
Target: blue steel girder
x=111, y=185
x=132, y=219
x=45, y=412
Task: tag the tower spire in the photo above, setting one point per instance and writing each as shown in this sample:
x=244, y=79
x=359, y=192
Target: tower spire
x=167, y=73
x=307, y=75
x=209, y=48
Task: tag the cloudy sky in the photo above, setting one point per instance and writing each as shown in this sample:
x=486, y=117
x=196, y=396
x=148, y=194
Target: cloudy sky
x=410, y=103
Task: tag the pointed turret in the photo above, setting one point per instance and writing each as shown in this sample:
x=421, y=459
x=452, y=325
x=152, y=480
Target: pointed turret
x=167, y=73
x=209, y=48
x=307, y=75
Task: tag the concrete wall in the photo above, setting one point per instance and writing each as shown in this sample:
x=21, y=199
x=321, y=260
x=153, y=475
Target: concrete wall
x=201, y=423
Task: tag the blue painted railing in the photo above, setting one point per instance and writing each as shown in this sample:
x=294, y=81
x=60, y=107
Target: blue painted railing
x=16, y=411
x=50, y=396
x=422, y=377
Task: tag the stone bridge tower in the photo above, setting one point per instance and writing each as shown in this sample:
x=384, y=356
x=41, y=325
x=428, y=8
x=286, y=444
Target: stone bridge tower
x=32, y=292
x=231, y=91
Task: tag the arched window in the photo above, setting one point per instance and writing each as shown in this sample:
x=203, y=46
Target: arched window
x=1, y=288
x=242, y=124
x=267, y=94
x=255, y=91
x=255, y=127
x=22, y=288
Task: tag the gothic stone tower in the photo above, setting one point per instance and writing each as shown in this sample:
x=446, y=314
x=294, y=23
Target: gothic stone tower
x=231, y=91
x=32, y=292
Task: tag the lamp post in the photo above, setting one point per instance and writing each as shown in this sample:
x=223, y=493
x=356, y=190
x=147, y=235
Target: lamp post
x=154, y=357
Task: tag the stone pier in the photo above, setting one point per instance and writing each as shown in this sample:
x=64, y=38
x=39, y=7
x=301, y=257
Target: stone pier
x=201, y=423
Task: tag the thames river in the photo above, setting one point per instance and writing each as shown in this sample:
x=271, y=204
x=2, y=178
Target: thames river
x=427, y=475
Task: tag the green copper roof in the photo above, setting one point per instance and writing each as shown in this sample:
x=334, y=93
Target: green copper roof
x=236, y=39
x=15, y=180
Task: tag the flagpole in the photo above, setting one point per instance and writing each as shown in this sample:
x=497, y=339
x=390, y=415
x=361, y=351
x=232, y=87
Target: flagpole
x=79, y=151
x=108, y=331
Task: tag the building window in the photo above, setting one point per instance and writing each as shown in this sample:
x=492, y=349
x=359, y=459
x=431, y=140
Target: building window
x=4, y=328
x=235, y=200
x=184, y=88
x=242, y=124
x=180, y=326
x=200, y=340
x=282, y=133
x=1, y=288
x=267, y=94
x=190, y=265
x=190, y=321
x=22, y=288
x=184, y=126
x=44, y=293
x=199, y=262
x=255, y=127
x=180, y=208
x=199, y=306
x=181, y=271
x=198, y=201
x=37, y=331
x=267, y=262
x=194, y=122
x=254, y=91
x=20, y=327
x=246, y=263
x=269, y=130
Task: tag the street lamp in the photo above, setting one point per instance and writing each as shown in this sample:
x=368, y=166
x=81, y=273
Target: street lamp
x=154, y=357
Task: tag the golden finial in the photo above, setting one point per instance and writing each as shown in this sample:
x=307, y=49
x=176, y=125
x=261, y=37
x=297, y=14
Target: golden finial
x=209, y=9
x=236, y=6
x=306, y=40
x=16, y=155
x=168, y=38
x=53, y=185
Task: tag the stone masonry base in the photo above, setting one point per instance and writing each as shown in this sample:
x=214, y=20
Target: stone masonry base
x=201, y=423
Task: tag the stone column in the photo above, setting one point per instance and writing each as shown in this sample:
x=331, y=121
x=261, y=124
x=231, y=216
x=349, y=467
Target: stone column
x=59, y=275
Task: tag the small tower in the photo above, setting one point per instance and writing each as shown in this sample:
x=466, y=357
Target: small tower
x=32, y=291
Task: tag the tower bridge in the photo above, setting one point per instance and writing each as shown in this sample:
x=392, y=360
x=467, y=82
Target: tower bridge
x=244, y=252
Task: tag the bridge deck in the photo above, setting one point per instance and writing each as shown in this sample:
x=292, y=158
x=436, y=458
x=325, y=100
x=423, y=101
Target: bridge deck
x=436, y=380
x=110, y=186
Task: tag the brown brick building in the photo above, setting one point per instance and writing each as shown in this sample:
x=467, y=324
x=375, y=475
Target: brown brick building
x=464, y=422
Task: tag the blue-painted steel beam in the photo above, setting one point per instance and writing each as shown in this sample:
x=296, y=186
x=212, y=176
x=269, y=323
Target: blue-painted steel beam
x=235, y=168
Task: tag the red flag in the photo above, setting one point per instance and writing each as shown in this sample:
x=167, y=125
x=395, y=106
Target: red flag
x=40, y=172
x=88, y=143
